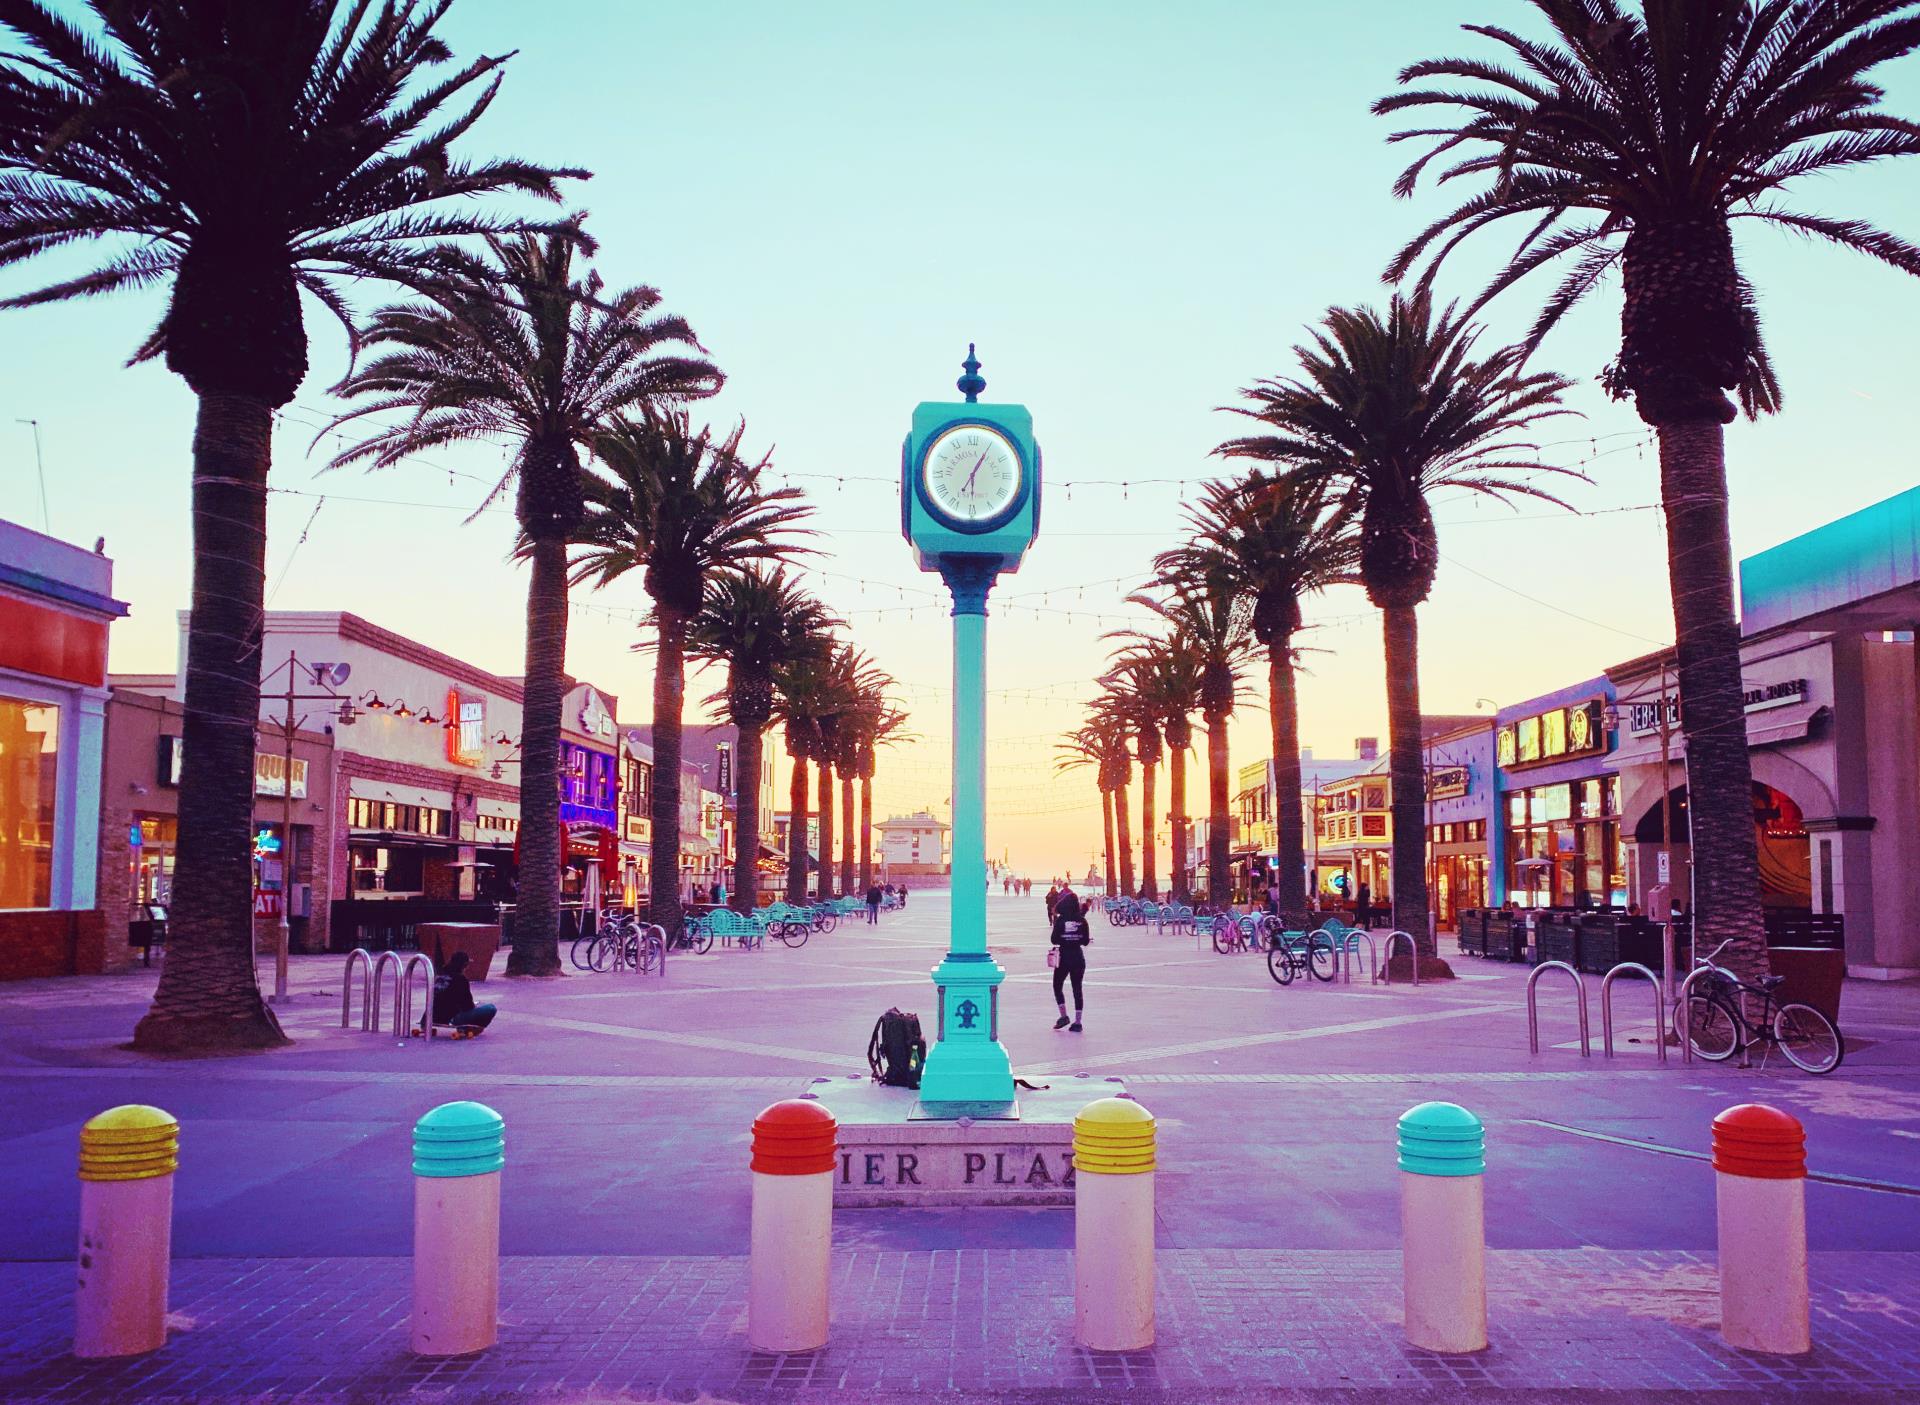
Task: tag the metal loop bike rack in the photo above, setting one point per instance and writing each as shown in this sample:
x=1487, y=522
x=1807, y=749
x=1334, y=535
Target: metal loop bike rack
x=362, y=958
x=1384, y=975
x=1684, y=1032
x=1533, y=1012
x=1606, y=1008
x=1349, y=950
x=403, y=996
x=384, y=962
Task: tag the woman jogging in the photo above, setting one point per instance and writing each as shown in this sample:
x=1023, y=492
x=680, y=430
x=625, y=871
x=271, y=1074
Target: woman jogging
x=1071, y=935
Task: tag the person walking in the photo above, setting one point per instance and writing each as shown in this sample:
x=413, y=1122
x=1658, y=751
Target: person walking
x=1363, y=907
x=1053, y=901
x=873, y=905
x=1071, y=935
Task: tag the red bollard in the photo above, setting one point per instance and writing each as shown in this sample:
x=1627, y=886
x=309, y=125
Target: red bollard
x=1760, y=1176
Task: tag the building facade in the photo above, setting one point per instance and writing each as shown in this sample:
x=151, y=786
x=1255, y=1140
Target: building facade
x=1557, y=840
x=56, y=603
x=1460, y=810
x=913, y=846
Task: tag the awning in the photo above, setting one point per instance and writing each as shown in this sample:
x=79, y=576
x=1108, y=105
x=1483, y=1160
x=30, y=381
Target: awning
x=367, y=788
x=697, y=847
x=1765, y=730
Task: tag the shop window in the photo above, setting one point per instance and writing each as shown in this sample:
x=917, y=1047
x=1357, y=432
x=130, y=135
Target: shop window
x=1527, y=738
x=1553, y=733
x=1373, y=826
x=1517, y=810
x=1551, y=802
x=29, y=773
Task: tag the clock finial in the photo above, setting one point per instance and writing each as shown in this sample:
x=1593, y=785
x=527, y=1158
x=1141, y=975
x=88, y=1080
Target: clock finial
x=972, y=383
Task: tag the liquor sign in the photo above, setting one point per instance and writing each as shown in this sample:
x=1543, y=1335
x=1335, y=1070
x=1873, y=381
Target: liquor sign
x=724, y=767
x=270, y=775
x=1448, y=782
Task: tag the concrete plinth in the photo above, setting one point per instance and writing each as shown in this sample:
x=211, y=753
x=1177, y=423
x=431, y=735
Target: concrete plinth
x=892, y=1154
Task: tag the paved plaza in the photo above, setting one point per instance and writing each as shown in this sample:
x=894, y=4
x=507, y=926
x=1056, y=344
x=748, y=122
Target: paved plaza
x=628, y=1100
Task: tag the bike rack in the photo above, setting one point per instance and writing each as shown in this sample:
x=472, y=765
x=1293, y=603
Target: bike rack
x=1349, y=951
x=1384, y=974
x=1606, y=1008
x=362, y=958
x=1680, y=1004
x=1533, y=1012
x=403, y=996
x=384, y=962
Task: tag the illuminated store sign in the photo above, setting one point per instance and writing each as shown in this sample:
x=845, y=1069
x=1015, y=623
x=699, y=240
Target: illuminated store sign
x=1559, y=734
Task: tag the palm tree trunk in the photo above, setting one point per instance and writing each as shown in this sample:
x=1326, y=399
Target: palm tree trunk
x=1106, y=809
x=825, y=807
x=1291, y=851
x=669, y=701
x=536, y=912
x=846, y=833
x=1149, y=883
x=1406, y=766
x=1123, y=825
x=746, y=817
x=209, y=995
x=797, y=831
x=1219, y=875
x=866, y=833
x=1726, y=863
x=1177, y=805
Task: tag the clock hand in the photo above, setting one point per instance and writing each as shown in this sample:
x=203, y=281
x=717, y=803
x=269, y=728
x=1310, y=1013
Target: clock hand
x=968, y=485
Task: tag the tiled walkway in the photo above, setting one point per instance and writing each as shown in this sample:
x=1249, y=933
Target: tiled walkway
x=1257, y=1323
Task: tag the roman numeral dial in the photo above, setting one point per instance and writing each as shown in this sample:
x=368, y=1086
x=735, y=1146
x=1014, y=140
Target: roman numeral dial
x=971, y=474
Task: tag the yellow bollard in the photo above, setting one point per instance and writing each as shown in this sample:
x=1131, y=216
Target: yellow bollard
x=127, y=1159
x=1113, y=1164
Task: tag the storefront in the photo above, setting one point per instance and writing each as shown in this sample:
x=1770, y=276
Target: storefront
x=141, y=798
x=1559, y=828
x=1460, y=779
x=636, y=819
x=56, y=604
x=589, y=798
x=1353, y=842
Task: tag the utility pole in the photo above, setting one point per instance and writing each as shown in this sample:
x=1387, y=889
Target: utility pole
x=40, y=465
x=336, y=673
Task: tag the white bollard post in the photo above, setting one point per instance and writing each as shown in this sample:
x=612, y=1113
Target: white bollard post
x=1760, y=1182
x=1443, y=1227
x=1113, y=1168
x=790, y=1246
x=127, y=1159
x=458, y=1150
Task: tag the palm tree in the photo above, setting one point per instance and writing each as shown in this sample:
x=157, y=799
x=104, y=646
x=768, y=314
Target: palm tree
x=513, y=348
x=755, y=621
x=1120, y=728
x=1130, y=689
x=1096, y=745
x=852, y=679
x=1634, y=142
x=239, y=155
x=859, y=738
x=805, y=690
x=1167, y=670
x=1387, y=411
x=1276, y=537
x=681, y=507
x=1216, y=621
x=887, y=728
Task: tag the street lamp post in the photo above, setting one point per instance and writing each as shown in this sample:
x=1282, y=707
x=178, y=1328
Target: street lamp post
x=325, y=675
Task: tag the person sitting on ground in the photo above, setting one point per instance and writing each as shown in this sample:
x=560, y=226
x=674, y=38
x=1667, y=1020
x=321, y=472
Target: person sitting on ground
x=453, y=1000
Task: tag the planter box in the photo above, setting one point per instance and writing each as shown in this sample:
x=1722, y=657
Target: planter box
x=1601, y=947
x=1473, y=932
x=1815, y=976
x=480, y=940
x=1556, y=937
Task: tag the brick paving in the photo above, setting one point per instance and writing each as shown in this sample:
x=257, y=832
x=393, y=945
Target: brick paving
x=1256, y=1323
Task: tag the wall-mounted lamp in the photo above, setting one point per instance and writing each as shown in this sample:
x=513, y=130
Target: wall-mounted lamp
x=400, y=708
x=374, y=702
x=348, y=713
x=427, y=719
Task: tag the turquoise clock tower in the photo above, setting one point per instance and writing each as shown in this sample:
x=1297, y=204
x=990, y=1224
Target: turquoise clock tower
x=970, y=506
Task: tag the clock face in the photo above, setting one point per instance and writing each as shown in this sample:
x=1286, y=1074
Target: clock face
x=971, y=474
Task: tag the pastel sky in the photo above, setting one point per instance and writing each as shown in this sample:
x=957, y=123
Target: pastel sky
x=1133, y=209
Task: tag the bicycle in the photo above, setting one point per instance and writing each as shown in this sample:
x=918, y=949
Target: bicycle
x=1718, y=1027
x=825, y=919
x=792, y=932
x=1236, y=934
x=616, y=946
x=1307, y=953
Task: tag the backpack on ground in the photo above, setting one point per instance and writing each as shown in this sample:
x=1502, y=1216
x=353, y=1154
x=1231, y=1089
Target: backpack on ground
x=897, y=1052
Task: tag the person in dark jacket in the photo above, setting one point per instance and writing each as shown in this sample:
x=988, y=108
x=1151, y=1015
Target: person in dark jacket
x=453, y=1000
x=873, y=905
x=1053, y=901
x=1363, y=907
x=1071, y=933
